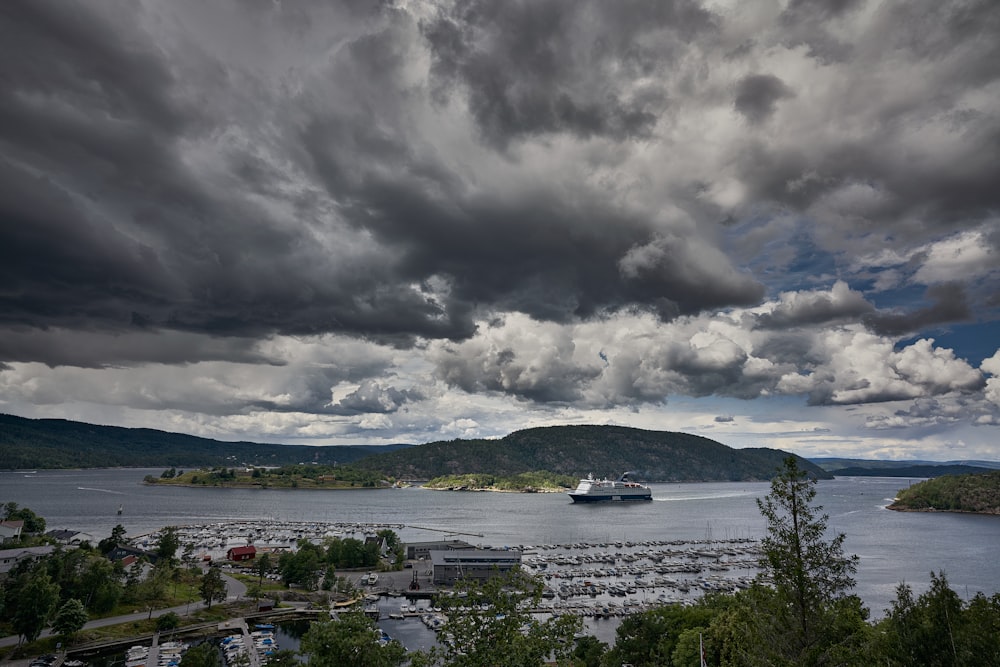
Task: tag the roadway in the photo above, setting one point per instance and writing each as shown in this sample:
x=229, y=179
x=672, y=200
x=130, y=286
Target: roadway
x=235, y=590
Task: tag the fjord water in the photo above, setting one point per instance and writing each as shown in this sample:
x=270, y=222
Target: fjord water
x=892, y=546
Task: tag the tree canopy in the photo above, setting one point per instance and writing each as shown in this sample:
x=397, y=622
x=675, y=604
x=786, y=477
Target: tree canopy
x=352, y=639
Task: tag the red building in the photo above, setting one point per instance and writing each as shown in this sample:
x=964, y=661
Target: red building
x=242, y=553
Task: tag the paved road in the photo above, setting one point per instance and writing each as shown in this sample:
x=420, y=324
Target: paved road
x=234, y=591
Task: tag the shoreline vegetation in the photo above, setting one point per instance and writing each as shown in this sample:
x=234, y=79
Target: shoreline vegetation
x=343, y=478
x=541, y=481
x=968, y=494
x=318, y=477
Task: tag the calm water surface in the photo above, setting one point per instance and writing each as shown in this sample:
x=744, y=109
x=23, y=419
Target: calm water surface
x=892, y=546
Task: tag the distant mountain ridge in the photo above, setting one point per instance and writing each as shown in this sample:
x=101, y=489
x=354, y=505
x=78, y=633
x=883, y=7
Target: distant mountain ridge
x=832, y=464
x=59, y=443
x=569, y=450
x=661, y=456
x=912, y=471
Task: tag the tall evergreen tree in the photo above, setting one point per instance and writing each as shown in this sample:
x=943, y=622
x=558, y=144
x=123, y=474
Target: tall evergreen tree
x=809, y=573
x=167, y=545
x=213, y=587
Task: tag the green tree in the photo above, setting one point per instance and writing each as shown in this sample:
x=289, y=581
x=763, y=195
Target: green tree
x=32, y=522
x=939, y=629
x=689, y=648
x=588, y=651
x=494, y=627
x=982, y=623
x=133, y=590
x=167, y=545
x=262, y=566
x=283, y=658
x=353, y=640
x=156, y=583
x=99, y=585
x=202, y=655
x=67, y=568
x=167, y=622
x=70, y=617
x=302, y=568
x=117, y=537
x=35, y=598
x=213, y=587
x=650, y=638
x=808, y=572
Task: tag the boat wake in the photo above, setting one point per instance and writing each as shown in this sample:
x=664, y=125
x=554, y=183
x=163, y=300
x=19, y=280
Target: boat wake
x=708, y=496
x=87, y=488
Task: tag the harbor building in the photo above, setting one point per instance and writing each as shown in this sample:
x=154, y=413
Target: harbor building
x=480, y=564
x=248, y=552
x=422, y=550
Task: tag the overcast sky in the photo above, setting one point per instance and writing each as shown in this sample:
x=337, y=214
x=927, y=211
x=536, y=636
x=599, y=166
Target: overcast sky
x=771, y=223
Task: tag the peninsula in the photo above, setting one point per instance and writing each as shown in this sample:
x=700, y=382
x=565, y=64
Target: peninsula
x=976, y=493
x=284, y=477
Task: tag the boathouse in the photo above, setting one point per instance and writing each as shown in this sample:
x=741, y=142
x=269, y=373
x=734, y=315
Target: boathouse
x=479, y=564
x=248, y=552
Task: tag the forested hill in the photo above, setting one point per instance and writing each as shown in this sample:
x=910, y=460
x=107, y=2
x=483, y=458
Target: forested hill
x=58, y=443
x=569, y=450
x=577, y=450
x=911, y=471
x=953, y=493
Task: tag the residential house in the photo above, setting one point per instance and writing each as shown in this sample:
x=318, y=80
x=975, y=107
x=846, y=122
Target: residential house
x=10, y=558
x=10, y=531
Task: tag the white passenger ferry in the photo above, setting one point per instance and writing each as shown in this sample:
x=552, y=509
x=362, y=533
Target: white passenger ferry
x=596, y=490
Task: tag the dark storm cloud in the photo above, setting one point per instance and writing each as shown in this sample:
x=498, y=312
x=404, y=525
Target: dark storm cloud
x=541, y=67
x=105, y=227
x=948, y=305
x=813, y=308
x=97, y=349
x=553, y=256
x=918, y=190
x=194, y=184
x=757, y=96
x=111, y=220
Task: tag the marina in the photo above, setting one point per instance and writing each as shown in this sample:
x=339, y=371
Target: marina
x=893, y=547
x=593, y=579
x=157, y=654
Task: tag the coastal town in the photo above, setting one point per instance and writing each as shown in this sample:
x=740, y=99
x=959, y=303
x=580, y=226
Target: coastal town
x=603, y=580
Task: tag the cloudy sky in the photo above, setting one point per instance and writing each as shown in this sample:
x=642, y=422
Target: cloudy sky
x=769, y=222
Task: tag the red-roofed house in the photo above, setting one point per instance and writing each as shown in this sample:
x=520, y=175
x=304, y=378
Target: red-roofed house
x=248, y=552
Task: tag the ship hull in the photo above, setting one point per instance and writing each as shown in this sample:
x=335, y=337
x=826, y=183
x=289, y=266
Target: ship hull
x=605, y=498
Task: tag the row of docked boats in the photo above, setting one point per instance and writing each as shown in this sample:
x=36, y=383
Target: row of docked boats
x=214, y=539
x=236, y=648
x=166, y=654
